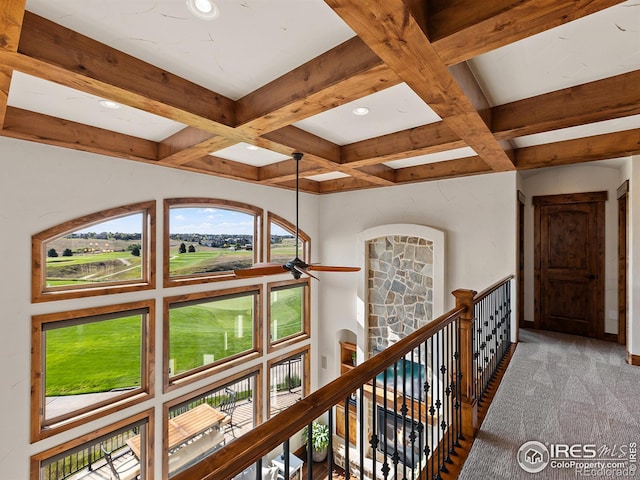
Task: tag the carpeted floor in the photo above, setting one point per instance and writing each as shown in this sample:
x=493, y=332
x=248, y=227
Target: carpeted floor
x=560, y=389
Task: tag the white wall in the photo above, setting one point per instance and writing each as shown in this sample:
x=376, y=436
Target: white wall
x=575, y=179
x=477, y=215
x=42, y=186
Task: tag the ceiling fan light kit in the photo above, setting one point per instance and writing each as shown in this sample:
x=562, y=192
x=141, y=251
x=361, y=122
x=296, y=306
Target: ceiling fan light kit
x=296, y=266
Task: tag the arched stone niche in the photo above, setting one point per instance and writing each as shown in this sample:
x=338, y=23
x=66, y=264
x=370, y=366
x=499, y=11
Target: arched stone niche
x=403, y=283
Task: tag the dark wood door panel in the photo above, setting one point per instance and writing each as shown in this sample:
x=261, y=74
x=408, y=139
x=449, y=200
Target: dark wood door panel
x=570, y=263
x=567, y=308
x=568, y=234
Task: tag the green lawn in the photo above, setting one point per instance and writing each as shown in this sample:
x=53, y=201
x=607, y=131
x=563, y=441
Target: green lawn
x=104, y=355
x=95, y=357
x=199, y=330
x=286, y=310
x=92, y=268
x=209, y=260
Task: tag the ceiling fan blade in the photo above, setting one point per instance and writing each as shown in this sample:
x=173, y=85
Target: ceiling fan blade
x=306, y=272
x=260, y=269
x=329, y=268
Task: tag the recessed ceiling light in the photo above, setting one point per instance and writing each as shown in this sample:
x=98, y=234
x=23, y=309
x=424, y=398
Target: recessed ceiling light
x=360, y=111
x=204, y=9
x=252, y=147
x=109, y=104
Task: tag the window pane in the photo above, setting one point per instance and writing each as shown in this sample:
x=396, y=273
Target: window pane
x=285, y=383
x=207, y=240
x=105, y=252
x=202, y=425
x=90, y=362
x=286, y=312
x=283, y=244
x=210, y=331
x=91, y=459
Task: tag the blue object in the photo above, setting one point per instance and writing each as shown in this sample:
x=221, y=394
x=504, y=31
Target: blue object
x=407, y=383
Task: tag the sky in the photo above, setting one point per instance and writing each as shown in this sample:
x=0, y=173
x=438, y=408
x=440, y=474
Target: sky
x=189, y=220
x=210, y=220
x=128, y=224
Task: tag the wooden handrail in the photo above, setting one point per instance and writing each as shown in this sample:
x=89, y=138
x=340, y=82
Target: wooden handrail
x=247, y=450
x=487, y=291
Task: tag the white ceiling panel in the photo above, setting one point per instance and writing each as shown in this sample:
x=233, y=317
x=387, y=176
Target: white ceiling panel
x=42, y=96
x=601, y=45
x=251, y=43
x=323, y=177
x=391, y=110
x=432, y=158
x=589, y=130
x=250, y=155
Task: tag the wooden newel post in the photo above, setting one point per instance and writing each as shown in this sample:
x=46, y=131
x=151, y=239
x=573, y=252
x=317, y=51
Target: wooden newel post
x=464, y=298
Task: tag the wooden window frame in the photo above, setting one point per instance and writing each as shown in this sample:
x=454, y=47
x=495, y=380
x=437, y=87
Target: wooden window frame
x=306, y=365
x=305, y=251
x=146, y=416
x=42, y=427
x=41, y=293
x=196, y=202
x=198, y=373
x=258, y=401
x=305, y=333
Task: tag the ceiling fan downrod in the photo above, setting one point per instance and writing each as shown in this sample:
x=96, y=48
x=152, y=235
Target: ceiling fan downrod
x=297, y=156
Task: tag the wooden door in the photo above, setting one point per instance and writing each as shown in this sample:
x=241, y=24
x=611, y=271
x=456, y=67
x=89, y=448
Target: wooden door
x=569, y=263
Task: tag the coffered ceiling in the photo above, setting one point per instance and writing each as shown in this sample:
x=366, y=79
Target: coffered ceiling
x=452, y=87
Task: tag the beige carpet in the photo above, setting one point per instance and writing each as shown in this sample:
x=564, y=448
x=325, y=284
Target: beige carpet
x=560, y=389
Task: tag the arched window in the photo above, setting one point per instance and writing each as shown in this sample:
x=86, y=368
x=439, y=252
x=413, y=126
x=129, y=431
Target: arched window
x=206, y=239
x=282, y=244
x=112, y=251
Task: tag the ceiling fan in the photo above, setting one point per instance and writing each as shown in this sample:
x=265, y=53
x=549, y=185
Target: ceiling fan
x=296, y=266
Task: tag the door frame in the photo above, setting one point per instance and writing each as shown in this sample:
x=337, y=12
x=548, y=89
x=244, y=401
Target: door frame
x=623, y=261
x=569, y=198
x=520, y=261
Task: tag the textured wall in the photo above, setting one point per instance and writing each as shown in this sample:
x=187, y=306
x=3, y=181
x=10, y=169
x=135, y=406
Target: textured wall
x=400, y=288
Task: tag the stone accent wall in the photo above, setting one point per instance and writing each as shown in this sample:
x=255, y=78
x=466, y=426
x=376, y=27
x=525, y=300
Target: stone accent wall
x=400, y=288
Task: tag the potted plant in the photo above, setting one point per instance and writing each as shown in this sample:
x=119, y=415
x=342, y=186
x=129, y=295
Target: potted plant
x=319, y=440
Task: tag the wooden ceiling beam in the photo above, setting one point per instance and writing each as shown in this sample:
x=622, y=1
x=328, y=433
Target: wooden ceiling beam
x=188, y=144
x=221, y=167
x=343, y=74
x=422, y=140
x=601, y=100
x=11, y=17
x=58, y=54
x=469, y=85
x=347, y=72
x=285, y=171
x=306, y=185
x=393, y=33
x=40, y=128
x=297, y=140
x=459, y=167
x=344, y=185
x=463, y=29
x=587, y=149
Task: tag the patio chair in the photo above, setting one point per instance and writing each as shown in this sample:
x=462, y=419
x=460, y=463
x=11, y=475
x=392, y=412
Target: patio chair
x=227, y=406
x=128, y=469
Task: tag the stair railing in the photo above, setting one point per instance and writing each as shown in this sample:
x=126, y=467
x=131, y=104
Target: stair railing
x=413, y=402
